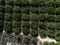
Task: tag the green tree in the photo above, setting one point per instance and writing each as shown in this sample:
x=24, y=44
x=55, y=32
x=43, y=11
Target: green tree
x=10, y=2
x=25, y=24
x=8, y=16
x=8, y=8
x=42, y=17
x=16, y=27
x=16, y=23
x=34, y=25
x=34, y=33
x=34, y=40
x=46, y=43
x=58, y=10
x=26, y=30
x=8, y=26
x=25, y=9
x=34, y=17
x=16, y=17
x=16, y=9
x=25, y=16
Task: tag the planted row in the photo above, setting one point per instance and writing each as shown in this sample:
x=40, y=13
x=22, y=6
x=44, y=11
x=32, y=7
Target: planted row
x=8, y=26
x=49, y=25
x=16, y=27
x=32, y=2
x=36, y=2
x=9, y=8
x=8, y=17
x=16, y=17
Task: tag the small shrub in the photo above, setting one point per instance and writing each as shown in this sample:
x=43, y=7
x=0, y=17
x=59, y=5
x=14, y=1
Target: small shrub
x=8, y=8
x=26, y=30
x=34, y=33
x=7, y=26
x=34, y=40
x=8, y=16
x=46, y=43
x=25, y=39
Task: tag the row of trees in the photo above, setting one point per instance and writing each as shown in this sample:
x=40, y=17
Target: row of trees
x=12, y=23
x=32, y=17
x=32, y=2
x=15, y=26
x=18, y=9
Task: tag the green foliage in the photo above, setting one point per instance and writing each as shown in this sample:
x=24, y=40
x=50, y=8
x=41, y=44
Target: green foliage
x=33, y=1
x=51, y=18
x=58, y=26
x=25, y=39
x=43, y=25
x=16, y=17
x=52, y=43
x=58, y=43
x=8, y=16
x=34, y=25
x=34, y=40
x=34, y=17
x=58, y=35
x=50, y=3
x=26, y=30
x=25, y=9
x=34, y=9
x=42, y=33
x=46, y=43
x=1, y=8
x=25, y=16
x=34, y=33
x=10, y=2
x=50, y=10
x=58, y=18
x=7, y=26
x=16, y=9
x=25, y=1
x=2, y=2
x=8, y=8
x=51, y=25
x=58, y=10
x=43, y=10
x=16, y=29
x=43, y=17
x=42, y=3
x=57, y=3
x=16, y=24
x=17, y=2
x=51, y=33
x=25, y=23
x=19, y=39
x=1, y=23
